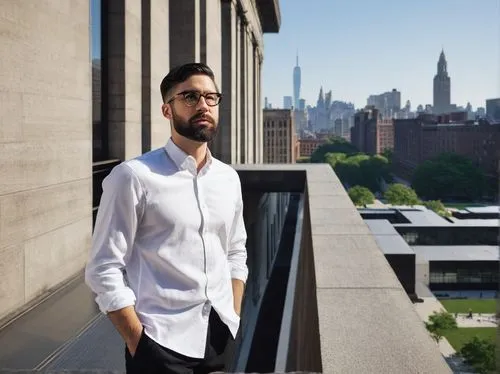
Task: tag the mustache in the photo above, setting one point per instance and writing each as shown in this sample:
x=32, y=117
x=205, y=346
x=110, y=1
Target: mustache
x=202, y=116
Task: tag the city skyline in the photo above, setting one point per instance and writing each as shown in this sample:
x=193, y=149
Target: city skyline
x=401, y=54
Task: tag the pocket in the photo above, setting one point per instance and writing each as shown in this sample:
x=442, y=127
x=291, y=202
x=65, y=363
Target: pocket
x=140, y=345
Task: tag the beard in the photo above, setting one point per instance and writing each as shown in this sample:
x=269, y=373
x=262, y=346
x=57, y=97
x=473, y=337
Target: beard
x=195, y=131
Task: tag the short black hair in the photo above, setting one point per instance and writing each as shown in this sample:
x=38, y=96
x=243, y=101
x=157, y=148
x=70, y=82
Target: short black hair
x=180, y=73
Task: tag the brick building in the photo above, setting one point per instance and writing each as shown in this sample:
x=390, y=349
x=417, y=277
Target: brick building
x=371, y=134
x=308, y=146
x=423, y=138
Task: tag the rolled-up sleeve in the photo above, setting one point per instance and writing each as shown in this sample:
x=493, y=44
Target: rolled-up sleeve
x=119, y=211
x=237, y=253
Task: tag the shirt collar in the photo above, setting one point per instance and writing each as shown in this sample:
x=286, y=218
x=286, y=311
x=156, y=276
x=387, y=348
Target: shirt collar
x=182, y=160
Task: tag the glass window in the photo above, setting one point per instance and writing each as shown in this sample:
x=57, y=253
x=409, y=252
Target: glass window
x=99, y=132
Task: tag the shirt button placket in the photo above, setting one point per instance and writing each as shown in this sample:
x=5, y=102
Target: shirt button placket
x=206, y=309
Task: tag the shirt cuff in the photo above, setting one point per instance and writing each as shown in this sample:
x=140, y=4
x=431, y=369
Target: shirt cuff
x=241, y=274
x=115, y=300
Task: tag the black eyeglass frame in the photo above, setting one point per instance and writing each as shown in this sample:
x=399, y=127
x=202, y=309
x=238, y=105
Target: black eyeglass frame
x=217, y=94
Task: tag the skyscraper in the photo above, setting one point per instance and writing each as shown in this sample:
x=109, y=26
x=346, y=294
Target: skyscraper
x=296, y=84
x=287, y=102
x=442, y=87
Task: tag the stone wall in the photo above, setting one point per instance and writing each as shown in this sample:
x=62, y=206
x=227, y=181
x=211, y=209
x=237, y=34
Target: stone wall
x=45, y=146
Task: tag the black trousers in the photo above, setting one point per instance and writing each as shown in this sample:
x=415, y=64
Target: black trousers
x=152, y=358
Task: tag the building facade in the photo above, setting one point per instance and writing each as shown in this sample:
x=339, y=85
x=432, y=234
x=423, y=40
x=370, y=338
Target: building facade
x=80, y=84
x=493, y=110
x=308, y=146
x=424, y=138
x=279, y=137
x=371, y=133
x=442, y=87
x=296, y=84
x=388, y=103
x=287, y=102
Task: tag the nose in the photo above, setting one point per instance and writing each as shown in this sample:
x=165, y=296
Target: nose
x=202, y=105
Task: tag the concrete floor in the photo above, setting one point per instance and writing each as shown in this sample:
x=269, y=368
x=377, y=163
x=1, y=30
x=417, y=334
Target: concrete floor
x=66, y=331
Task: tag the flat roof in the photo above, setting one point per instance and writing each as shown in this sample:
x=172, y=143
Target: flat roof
x=381, y=227
x=424, y=218
x=393, y=245
x=457, y=252
x=493, y=222
x=483, y=209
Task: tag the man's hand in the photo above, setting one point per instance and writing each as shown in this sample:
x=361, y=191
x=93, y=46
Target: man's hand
x=238, y=289
x=128, y=325
x=133, y=341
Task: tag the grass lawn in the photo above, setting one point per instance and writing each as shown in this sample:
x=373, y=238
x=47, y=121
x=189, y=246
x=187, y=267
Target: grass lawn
x=459, y=337
x=463, y=305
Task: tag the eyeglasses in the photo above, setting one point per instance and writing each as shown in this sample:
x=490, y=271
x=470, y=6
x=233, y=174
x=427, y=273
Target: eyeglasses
x=191, y=98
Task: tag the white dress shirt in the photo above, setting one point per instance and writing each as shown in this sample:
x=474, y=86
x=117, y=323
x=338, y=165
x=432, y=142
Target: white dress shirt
x=169, y=239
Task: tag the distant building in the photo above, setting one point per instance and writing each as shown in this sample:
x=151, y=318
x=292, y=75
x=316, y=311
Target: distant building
x=279, y=137
x=481, y=112
x=302, y=105
x=296, y=83
x=371, y=133
x=300, y=119
x=337, y=128
x=442, y=87
x=493, y=110
x=308, y=146
x=427, y=136
x=287, y=102
x=387, y=103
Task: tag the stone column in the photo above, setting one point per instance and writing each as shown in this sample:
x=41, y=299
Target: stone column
x=224, y=146
x=250, y=120
x=243, y=68
x=184, y=31
x=124, y=78
x=211, y=36
x=159, y=67
x=237, y=139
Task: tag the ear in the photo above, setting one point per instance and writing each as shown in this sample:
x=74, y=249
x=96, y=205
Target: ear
x=166, y=110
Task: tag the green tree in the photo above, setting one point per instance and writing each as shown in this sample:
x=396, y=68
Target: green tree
x=480, y=354
x=360, y=195
x=439, y=323
x=449, y=175
x=334, y=158
x=438, y=207
x=388, y=153
x=333, y=145
x=399, y=194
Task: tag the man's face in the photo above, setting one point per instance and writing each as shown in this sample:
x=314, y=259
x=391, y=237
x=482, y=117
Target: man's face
x=193, y=120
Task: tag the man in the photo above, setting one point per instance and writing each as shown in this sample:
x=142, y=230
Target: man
x=168, y=260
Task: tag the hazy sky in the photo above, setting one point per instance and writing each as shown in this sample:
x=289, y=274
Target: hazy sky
x=360, y=47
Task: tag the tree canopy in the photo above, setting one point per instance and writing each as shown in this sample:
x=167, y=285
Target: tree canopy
x=361, y=195
x=439, y=323
x=335, y=144
x=447, y=176
x=399, y=194
x=438, y=207
x=480, y=354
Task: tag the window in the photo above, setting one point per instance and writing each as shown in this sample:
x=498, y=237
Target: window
x=99, y=126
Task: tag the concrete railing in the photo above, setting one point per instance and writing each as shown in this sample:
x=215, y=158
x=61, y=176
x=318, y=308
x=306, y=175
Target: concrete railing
x=345, y=310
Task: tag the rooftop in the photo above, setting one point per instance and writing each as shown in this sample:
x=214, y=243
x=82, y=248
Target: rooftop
x=457, y=252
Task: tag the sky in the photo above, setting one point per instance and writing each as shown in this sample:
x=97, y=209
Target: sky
x=356, y=48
